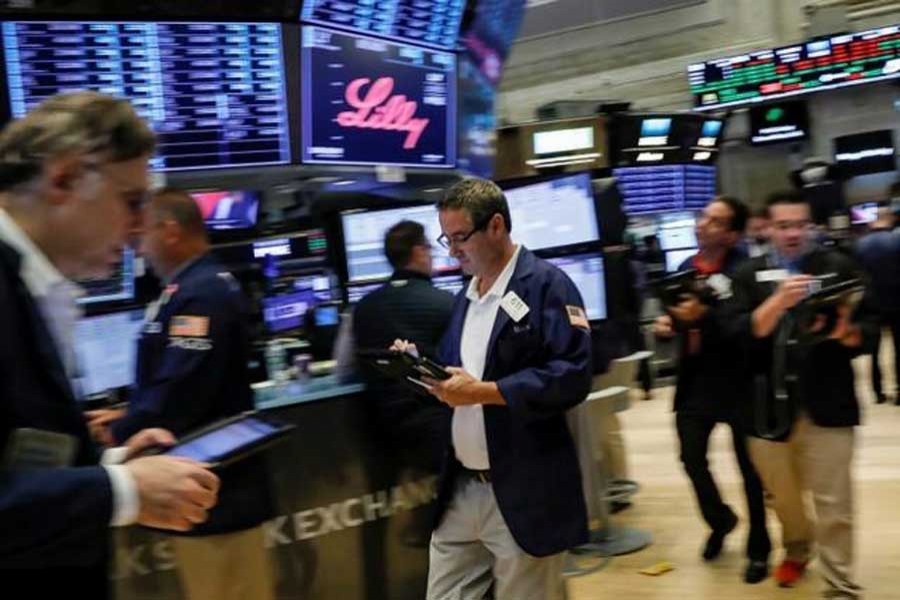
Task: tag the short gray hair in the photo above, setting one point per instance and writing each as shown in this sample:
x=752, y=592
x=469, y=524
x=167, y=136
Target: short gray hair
x=85, y=123
x=179, y=206
x=481, y=198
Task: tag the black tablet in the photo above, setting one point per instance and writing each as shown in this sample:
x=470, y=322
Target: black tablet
x=404, y=365
x=231, y=440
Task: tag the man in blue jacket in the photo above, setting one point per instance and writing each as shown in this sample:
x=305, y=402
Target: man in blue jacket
x=73, y=178
x=518, y=346
x=191, y=371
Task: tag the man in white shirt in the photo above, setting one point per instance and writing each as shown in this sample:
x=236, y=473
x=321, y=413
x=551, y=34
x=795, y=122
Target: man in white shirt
x=510, y=500
x=73, y=178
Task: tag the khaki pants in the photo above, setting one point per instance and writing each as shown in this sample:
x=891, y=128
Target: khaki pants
x=613, y=447
x=814, y=460
x=231, y=566
x=473, y=549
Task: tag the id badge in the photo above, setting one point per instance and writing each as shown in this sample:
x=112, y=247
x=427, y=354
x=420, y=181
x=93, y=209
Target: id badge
x=38, y=449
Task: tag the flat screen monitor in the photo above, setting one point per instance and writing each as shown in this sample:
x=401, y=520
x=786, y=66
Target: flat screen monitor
x=661, y=188
x=677, y=232
x=228, y=209
x=364, y=240
x=214, y=93
x=422, y=22
x=820, y=64
x=118, y=287
x=368, y=101
x=287, y=309
x=863, y=214
x=552, y=213
x=588, y=274
x=778, y=123
x=106, y=351
x=865, y=153
x=674, y=258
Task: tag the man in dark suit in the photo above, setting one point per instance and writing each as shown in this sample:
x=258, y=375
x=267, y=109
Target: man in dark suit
x=518, y=346
x=191, y=371
x=73, y=177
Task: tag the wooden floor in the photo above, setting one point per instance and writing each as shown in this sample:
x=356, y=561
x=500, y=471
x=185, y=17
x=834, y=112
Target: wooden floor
x=665, y=506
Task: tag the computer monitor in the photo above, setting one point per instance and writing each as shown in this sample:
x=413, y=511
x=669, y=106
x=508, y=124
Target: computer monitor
x=865, y=153
x=106, y=351
x=677, y=231
x=118, y=287
x=674, y=258
x=863, y=214
x=552, y=213
x=287, y=309
x=588, y=274
x=228, y=209
x=214, y=93
x=364, y=233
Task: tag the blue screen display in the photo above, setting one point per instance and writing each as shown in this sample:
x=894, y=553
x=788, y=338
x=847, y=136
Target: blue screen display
x=655, y=127
x=370, y=101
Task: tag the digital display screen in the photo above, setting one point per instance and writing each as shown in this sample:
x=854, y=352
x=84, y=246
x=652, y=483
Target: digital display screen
x=677, y=233
x=423, y=22
x=553, y=213
x=219, y=443
x=287, y=310
x=369, y=101
x=213, y=92
x=106, y=351
x=865, y=153
x=364, y=240
x=862, y=214
x=664, y=139
x=776, y=123
x=234, y=209
x=817, y=65
x=674, y=258
x=118, y=287
x=587, y=273
x=652, y=189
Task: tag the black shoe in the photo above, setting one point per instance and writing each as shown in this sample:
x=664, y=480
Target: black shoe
x=716, y=539
x=617, y=507
x=880, y=398
x=756, y=571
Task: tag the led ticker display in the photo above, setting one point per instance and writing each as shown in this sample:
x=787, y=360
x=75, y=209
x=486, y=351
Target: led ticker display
x=370, y=101
x=213, y=92
x=816, y=65
x=426, y=22
x=662, y=188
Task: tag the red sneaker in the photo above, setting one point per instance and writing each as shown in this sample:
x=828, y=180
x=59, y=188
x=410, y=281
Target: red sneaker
x=789, y=572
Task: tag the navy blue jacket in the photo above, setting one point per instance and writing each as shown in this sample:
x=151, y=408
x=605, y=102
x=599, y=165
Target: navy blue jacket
x=191, y=371
x=542, y=366
x=54, y=522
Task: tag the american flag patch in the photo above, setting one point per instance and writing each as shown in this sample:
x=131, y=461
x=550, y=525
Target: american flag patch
x=577, y=318
x=188, y=326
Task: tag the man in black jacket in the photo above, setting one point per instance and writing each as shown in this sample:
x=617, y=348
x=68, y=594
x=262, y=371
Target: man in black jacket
x=804, y=408
x=73, y=177
x=711, y=380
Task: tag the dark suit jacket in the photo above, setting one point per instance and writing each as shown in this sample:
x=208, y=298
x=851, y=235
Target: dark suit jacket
x=542, y=365
x=192, y=370
x=54, y=522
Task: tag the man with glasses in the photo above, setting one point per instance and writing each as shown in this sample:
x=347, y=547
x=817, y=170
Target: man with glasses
x=711, y=382
x=804, y=408
x=73, y=178
x=518, y=347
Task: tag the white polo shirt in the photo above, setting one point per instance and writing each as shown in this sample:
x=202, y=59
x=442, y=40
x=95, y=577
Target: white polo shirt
x=469, y=437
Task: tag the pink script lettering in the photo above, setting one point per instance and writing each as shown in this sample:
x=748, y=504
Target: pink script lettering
x=379, y=110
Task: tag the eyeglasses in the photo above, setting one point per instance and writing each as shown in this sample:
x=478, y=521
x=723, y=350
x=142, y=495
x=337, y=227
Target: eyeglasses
x=461, y=238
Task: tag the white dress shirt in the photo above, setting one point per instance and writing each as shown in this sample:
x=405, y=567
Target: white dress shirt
x=469, y=437
x=55, y=297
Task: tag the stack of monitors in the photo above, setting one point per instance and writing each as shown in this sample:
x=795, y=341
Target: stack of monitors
x=819, y=64
x=213, y=92
x=662, y=188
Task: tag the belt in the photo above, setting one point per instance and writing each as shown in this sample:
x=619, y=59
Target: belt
x=482, y=476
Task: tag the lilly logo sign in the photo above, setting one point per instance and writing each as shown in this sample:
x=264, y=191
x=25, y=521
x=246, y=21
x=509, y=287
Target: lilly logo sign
x=378, y=109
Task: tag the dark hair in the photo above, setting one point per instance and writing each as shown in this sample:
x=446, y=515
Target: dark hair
x=481, y=198
x=784, y=197
x=739, y=212
x=85, y=123
x=400, y=240
x=178, y=205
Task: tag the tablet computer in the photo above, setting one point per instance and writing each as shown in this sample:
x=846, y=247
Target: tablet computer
x=404, y=365
x=230, y=440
